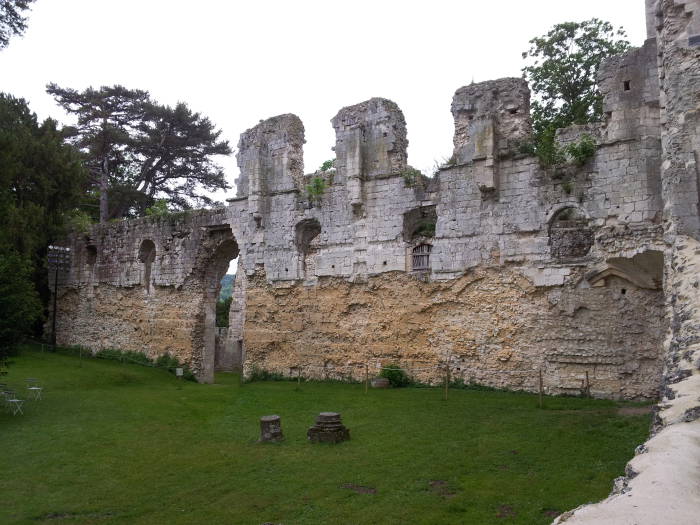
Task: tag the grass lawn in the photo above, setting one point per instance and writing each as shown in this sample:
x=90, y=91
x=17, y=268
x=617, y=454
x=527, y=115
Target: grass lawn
x=120, y=443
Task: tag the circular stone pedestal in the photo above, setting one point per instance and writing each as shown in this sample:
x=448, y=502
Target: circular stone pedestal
x=328, y=429
x=270, y=429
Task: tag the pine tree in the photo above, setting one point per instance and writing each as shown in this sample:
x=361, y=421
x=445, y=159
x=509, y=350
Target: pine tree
x=139, y=151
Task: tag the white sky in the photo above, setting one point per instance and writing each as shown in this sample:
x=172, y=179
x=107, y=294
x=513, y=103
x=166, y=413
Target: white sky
x=242, y=61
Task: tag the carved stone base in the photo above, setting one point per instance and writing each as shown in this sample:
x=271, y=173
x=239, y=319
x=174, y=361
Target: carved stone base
x=328, y=429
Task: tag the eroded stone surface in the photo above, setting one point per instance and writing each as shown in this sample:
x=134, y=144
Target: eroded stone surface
x=328, y=429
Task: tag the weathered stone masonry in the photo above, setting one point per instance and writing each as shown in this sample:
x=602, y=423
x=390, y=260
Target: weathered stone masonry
x=495, y=266
x=527, y=270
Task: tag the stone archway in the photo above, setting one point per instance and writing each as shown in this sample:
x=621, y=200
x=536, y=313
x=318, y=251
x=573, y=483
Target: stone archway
x=219, y=250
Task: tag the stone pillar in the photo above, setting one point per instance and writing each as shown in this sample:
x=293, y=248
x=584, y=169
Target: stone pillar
x=270, y=429
x=270, y=158
x=370, y=140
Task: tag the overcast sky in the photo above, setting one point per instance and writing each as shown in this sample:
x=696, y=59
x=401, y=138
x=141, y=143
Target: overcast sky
x=240, y=62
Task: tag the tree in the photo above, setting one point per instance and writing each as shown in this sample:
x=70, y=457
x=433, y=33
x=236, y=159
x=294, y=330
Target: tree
x=138, y=151
x=562, y=74
x=41, y=185
x=12, y=19
x=42, y=181
x=20, y=307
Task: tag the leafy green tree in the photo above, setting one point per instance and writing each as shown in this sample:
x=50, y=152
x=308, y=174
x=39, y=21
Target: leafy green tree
x=139, y=151
x=222, y=311
x=41, y=187
x=561, y=70
x=42, y=180
x=13, y=21
x=20, y=306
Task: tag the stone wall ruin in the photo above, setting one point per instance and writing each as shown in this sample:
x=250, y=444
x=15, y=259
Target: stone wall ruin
x=495, y=267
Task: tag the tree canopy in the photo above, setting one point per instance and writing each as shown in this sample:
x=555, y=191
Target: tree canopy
x=13, y=20
x=138, y=151
x=41, y=186
x=561, y=70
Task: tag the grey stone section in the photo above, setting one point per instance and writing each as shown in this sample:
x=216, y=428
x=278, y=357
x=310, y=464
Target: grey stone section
x=492, y=207
x=270, y=429
x=328, y=429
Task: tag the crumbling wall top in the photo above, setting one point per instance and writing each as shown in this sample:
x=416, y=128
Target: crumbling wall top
x=376, y=129
x=274, y=150
x=493, y=113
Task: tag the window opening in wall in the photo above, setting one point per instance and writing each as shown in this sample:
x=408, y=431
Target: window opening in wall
x=569, y=234
x=626, y=85
x=147, y=254
x=220, y=328
x=421, y=257
x=90, y=254
x=223, y=304
x=306, y=240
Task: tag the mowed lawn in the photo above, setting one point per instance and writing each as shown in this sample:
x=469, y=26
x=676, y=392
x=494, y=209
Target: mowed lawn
x=120, y=443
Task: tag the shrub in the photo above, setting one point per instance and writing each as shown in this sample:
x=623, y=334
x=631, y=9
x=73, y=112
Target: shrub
x=426, y=228
x=159, y=209
x=315, y=189
x=581, y=151
x=396, y=375
x=19, y=301
x=222, y=312
x=327, y=165
x=258, y=374
x=411, y=176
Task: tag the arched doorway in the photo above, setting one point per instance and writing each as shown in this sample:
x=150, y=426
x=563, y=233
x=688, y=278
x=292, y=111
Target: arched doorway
x=222, y=248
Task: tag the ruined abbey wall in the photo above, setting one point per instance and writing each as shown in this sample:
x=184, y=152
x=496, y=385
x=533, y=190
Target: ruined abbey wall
x=496, y=267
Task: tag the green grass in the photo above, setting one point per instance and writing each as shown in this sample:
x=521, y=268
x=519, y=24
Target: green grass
x=118, y=443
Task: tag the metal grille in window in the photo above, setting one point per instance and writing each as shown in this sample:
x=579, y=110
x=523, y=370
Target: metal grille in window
x=421, y=257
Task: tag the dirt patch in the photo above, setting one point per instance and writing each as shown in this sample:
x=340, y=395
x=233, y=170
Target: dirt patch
x=71, y=515
x=441, y=488
x=551, y=513
x=505, y=511
x=359, y=488
x=635, y=411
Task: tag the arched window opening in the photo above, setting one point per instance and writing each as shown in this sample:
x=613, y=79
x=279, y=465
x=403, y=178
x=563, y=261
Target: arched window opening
x=569, y=234
x=306, y=231
x=419, y=222
x=147, y=254
x=421, y=257
x=90, y=255
x=306, y=240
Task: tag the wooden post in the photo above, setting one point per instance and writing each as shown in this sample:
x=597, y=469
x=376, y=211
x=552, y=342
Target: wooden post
x=541, y=388
x=299, y=376
x=588, y=386
x=366, y=377
x=447, y=380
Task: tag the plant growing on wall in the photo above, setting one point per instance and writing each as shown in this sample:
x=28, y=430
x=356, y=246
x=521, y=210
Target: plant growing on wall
x=583, y=150
x=411, y=176
x=426, y=228
x=315, y=189
x=561, y=70
x=550, y=154
x=327, y=165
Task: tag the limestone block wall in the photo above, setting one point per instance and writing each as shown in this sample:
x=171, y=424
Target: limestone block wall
x=660, y=485
x=495, y=266
x=149, y=285
x=491, y=326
